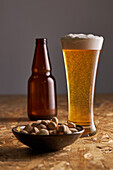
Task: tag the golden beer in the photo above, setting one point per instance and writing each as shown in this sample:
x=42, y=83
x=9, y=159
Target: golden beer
x=81, y=67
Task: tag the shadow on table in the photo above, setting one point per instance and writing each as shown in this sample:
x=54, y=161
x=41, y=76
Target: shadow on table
x=21, y=154
x=14, y=119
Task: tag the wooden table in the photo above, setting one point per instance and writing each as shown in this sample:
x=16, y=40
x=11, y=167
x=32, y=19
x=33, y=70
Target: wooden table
x=94, y=152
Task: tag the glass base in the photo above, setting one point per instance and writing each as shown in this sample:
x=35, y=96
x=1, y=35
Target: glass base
x=89, y=131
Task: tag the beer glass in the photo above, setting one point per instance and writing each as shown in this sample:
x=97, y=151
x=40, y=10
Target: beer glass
x=81, y=54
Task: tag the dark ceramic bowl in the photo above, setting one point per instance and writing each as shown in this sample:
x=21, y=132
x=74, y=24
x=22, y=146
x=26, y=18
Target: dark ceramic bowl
x=46, y=143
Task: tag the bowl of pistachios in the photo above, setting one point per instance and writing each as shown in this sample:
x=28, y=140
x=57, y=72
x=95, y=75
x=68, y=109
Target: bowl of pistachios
x=48, y=135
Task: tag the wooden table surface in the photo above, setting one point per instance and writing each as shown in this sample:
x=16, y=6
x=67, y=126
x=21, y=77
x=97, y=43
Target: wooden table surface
x=94, y=152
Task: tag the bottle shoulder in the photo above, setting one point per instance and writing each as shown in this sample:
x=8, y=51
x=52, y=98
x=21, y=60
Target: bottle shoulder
x=41, y=77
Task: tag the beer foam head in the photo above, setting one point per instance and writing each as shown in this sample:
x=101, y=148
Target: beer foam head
x=82, y=41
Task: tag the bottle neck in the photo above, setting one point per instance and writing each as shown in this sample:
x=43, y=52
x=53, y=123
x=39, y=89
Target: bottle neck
x=41, y=62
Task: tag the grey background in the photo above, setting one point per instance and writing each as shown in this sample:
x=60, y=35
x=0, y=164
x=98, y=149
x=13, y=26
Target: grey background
x=21, y=21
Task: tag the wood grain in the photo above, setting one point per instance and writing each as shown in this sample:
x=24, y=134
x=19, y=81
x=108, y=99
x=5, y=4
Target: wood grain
x=94, y=152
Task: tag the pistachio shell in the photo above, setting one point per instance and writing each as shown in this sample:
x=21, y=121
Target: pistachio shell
x=52, y=126
x=43, y=132
x=71, y=125
x=54, y=119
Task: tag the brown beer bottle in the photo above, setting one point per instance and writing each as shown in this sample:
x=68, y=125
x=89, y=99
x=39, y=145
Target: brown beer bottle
x=41, y=85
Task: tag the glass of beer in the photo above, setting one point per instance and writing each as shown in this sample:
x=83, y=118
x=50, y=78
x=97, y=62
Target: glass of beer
x=81, y=55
